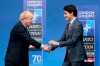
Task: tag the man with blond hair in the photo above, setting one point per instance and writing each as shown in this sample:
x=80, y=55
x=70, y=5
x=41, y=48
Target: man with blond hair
x=20, y=39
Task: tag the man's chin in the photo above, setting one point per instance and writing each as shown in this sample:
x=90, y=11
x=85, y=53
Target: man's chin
x=28, y=25
x=67, y=19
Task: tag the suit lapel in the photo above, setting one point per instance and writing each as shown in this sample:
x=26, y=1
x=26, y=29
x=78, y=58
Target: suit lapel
x=67, y=32
x=26, y=30
x=72, y=26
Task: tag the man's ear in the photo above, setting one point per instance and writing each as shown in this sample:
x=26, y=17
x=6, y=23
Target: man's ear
x=72, y=13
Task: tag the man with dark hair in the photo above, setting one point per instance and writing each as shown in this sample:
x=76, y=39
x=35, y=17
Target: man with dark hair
x=70, y=9
x=72, y=39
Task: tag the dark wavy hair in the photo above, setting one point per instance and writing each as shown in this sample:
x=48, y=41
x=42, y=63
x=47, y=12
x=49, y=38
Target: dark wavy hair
x=71, y=8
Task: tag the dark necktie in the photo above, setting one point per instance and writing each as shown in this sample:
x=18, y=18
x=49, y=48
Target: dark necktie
x=69, y=26
x=27, y=30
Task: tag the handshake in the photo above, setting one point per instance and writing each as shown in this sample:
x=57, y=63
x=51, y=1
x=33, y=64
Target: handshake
x=48, y=48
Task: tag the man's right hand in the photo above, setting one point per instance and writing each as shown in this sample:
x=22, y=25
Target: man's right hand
x=47, y=48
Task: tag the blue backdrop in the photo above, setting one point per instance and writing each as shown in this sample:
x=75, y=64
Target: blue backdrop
x=9, y=15
x=55, y=24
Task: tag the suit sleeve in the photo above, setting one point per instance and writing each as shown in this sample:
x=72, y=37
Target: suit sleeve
x=53, y=47
x=20, y=31
x=77, y=32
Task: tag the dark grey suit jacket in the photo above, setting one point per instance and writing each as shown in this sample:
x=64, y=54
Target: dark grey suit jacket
x=17, y=51
x=73, y=40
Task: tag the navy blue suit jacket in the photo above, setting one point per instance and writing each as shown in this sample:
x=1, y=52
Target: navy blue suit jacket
x=17, y=51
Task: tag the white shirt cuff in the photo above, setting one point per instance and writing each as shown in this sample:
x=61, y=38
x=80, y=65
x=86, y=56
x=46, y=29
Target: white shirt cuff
x=42, y=46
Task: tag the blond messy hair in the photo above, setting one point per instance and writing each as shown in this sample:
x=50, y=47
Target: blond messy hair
x=25, y=15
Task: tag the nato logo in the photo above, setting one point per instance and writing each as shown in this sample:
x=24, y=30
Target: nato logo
x=88, y=27
x=37, y=16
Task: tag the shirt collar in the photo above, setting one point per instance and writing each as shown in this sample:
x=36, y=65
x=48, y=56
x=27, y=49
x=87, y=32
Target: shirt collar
x=23, y=24
x=72, y=20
